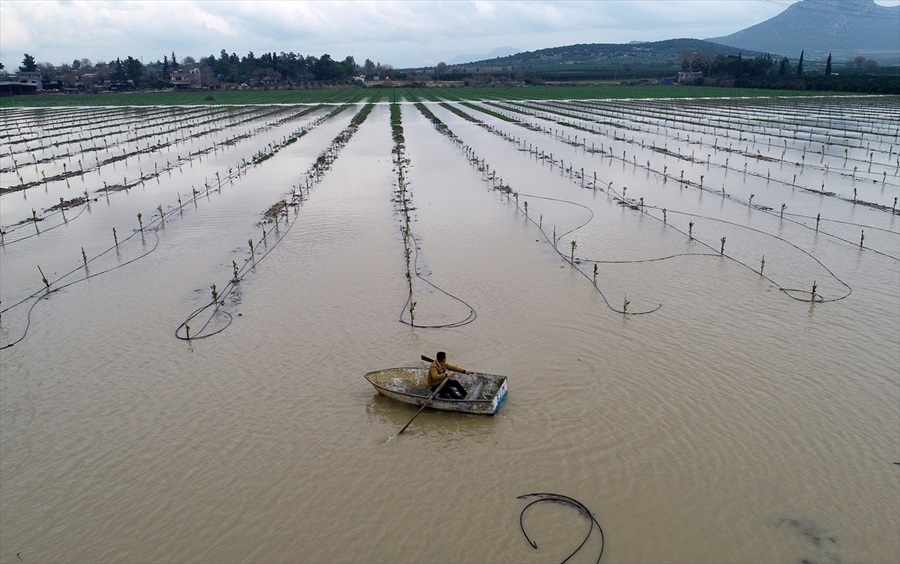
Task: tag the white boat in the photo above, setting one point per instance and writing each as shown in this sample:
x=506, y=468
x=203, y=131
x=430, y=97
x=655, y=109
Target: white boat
x=486, y=392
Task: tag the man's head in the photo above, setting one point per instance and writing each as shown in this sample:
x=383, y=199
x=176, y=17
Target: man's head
x=441, y=357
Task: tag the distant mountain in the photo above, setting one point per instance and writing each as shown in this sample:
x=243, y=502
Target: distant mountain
x=656, y=53
x=495, y=53
x=844, y=28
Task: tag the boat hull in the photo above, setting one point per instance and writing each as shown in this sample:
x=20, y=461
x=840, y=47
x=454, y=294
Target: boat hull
x=409, y=385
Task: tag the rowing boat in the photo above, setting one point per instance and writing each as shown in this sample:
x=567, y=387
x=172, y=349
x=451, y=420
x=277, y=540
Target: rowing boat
x=486, y=392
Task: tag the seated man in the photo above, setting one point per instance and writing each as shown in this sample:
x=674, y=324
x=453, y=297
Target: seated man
x=438, y=371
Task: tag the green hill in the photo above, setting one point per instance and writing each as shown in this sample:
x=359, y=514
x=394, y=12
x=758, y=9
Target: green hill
x=656, y=54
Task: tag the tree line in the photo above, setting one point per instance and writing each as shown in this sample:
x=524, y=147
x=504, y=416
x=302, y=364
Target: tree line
x=290, y=70
x=269, y=69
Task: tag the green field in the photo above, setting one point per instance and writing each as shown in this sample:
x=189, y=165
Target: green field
x=345, y=95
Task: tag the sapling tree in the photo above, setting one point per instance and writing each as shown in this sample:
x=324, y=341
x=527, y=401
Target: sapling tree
x=44, y=278
x=574, y=244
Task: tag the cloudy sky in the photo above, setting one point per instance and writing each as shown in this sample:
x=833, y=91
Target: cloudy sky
x=399, y=33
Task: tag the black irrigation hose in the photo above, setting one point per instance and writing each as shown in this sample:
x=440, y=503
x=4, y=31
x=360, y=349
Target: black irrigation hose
x=328, y=156
x=787, y=291
x=441, y=127
x=564, y=500
x=229, y=288
x=65, y=222
x=46, y=293
x=161, y=220
x=570, y=261
x=180, y=208
x=407, y=232
x=469, y=319
x=528, y=125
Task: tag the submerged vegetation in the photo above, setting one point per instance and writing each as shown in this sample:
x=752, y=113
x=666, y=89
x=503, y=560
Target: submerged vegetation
x=758, y=154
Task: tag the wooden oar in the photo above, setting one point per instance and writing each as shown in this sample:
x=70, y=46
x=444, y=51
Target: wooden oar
x=424, y=405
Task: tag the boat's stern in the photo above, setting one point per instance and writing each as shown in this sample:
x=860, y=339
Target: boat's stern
x=499, y=398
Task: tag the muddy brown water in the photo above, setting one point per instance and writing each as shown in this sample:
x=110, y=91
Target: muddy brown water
x=733, y=424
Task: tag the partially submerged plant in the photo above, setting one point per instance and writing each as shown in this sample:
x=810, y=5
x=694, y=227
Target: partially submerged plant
x=44, y=278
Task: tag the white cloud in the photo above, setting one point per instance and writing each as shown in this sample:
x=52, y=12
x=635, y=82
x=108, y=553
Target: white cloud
x=401, y=33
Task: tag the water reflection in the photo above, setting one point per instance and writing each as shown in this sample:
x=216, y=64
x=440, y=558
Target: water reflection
x=436, y=423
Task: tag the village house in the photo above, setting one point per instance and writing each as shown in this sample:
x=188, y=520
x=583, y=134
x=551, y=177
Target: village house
x=184, y=79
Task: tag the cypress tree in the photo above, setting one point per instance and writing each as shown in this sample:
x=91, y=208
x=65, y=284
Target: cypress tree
x=800, y=64
x=828, y=65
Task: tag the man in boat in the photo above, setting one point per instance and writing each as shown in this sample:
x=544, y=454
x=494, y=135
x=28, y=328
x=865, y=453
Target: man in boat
x=438, y=371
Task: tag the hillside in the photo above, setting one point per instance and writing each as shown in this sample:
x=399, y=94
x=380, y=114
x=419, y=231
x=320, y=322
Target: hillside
x=844, y=28
x=667, y=53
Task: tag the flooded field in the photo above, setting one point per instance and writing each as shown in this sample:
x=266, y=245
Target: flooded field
x=696, y=303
